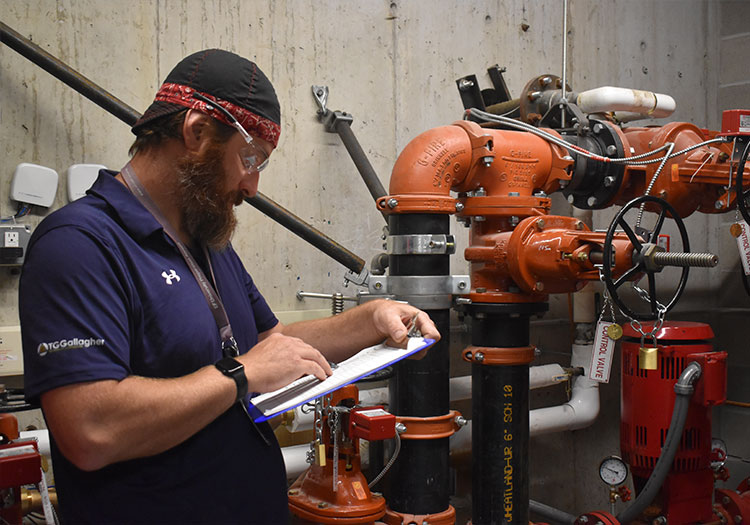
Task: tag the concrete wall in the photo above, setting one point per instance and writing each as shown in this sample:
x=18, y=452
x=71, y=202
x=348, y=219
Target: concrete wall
x=392, y=64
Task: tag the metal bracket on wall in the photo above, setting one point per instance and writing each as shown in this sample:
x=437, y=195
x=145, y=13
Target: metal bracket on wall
x=340, y=122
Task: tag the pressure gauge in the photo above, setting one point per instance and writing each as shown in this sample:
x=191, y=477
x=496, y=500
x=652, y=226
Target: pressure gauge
x=613, y=471
x=718, y=453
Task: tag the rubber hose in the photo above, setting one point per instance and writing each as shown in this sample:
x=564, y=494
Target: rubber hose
x=684, y=391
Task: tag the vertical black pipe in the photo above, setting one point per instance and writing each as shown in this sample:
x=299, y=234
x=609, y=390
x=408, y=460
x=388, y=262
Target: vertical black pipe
x=500, y=419
x=419, y=480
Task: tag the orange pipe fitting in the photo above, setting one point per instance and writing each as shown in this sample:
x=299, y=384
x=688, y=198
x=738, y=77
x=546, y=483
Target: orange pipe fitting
x=494, y=356
x=464, y=156
x=521, y=162
x=426, y=170
x=312, y=499
x=447, y=517
x=9, y=426
x=435, y=427
x=691, y=182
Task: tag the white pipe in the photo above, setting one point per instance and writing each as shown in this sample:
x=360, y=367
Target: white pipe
x=460, y=389
x=583, y=407
x=607, y=99
x=295, y=460
x=42, y=439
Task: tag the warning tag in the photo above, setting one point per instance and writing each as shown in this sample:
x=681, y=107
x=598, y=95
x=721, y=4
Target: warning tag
x=743, y=245
x=604, y=349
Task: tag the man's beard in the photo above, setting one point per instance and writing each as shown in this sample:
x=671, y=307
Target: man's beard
x=207, y=209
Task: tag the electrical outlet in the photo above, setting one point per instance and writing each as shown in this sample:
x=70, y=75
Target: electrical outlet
x=11, y=239
x=11, y=353
x=13, y=242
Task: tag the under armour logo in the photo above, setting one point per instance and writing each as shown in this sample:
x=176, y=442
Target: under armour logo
x=169, y=276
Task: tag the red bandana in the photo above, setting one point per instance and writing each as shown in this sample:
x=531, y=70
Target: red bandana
x=254, y=124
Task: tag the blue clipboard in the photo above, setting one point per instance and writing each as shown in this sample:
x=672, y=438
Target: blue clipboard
x=309, y=388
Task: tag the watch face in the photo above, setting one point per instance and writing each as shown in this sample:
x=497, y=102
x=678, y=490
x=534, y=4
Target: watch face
x=613, y=470
x=228, y=365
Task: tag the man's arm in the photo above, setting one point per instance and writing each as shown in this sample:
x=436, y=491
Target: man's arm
x=102, y=422
x=340, y=336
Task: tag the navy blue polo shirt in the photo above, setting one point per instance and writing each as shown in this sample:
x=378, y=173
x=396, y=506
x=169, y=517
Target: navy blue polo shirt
x=105, y=294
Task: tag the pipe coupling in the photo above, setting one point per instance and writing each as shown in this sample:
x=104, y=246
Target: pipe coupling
x=688, y=377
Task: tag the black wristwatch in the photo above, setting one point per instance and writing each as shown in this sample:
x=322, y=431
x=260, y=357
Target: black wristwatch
x=236, y=370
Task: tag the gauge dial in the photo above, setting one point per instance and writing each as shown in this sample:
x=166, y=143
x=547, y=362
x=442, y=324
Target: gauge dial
x=613, y=470
x=718, y=453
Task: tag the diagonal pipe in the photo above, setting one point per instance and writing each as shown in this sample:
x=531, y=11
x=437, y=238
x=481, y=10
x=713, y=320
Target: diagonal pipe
x=127, y=114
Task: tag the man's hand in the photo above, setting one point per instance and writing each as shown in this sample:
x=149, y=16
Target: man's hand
x=278, y=360
x=393, y=319
x=341, y=336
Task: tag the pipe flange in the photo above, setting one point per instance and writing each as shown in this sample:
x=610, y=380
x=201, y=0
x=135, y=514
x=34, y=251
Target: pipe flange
x=496, y=356
x=594, y=184
x=436, y=427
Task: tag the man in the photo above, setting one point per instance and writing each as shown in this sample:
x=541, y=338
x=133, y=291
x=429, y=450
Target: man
x=125, y=342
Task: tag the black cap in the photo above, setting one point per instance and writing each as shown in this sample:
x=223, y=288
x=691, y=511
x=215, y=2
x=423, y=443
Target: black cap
x=227, y=79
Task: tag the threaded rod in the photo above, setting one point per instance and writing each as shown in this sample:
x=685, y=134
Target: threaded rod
x=701, y=260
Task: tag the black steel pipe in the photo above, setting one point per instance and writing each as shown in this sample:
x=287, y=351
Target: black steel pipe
x=129, y=116
x=419, y=480
x=374, y=186
x=66, y=74
x=500, y=417
x=312, y=235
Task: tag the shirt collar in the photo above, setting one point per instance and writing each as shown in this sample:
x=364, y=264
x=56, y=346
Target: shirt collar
x=135, y=219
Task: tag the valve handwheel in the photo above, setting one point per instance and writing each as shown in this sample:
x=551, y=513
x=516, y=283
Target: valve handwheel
x=643, y=244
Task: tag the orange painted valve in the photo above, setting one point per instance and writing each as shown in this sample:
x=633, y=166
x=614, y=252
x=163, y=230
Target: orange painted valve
x=543, y=254
x=334, y=489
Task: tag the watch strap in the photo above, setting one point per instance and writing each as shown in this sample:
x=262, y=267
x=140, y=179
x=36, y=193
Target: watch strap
x=230, y=367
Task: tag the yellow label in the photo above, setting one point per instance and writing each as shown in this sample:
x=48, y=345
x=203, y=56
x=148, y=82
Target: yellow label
x=320, y=455
x=359, y=490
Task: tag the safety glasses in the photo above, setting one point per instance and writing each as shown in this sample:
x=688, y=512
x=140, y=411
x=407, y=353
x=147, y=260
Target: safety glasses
x=253, y=157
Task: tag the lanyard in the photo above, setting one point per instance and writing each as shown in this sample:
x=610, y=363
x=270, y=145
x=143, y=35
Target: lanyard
x=228, y=344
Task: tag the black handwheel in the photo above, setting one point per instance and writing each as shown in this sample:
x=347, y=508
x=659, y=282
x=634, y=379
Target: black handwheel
x=742, y=195
x=639, y=242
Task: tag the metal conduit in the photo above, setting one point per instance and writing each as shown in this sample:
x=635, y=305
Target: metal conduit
x=128, y=115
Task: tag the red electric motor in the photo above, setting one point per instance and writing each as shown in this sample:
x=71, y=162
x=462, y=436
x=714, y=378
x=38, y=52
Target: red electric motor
x=647, y=400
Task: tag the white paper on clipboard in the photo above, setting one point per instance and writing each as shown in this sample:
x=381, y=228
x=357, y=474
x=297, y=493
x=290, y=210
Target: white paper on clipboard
x=361, y=364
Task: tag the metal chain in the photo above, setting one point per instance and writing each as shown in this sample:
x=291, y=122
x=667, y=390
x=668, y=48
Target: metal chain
x=636, y=325
x=333, y=424
x=318, y=422
x=607, y=303
x=643, y=294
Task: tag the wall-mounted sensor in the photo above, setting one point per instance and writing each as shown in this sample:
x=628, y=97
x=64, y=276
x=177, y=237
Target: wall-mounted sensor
x=80, y=179
x=34, y=184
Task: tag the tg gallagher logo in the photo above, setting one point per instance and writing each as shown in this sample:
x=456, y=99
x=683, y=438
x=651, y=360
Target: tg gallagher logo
x=67, y=344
